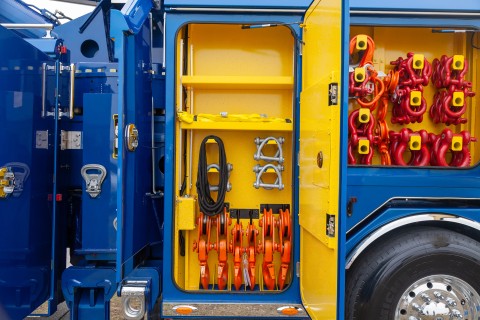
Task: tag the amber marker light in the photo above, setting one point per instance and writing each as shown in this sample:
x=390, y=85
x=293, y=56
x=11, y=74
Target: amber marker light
x=288, y=310
x=184, y=309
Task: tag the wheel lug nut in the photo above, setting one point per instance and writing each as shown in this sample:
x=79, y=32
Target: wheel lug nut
x=457, y=314
x=425, y=297
x=438, y=295
x=451, y=302
x=416, y=307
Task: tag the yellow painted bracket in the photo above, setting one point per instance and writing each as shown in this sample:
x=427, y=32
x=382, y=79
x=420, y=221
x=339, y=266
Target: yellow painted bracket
x=362, y=42
x=418, y=61
x=185, y=209
x=364, y=115
x=359, y=74
x=457, y=143
x=415, y=98
x=363, y=146
x=458, y=99
x=415, y=142
x=458, y=62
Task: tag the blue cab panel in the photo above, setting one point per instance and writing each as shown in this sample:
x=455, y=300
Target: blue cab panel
x=27, y=149
x=99, y=211
x=413, y=5
x=251, y=4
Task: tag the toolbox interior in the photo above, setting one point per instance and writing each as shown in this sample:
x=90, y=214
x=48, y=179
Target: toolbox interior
x=394, y=42
x=236, y=83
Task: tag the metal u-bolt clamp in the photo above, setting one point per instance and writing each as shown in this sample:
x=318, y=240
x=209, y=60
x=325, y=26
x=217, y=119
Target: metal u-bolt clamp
x=215, y=166
x=261, y=143
x=270, y=168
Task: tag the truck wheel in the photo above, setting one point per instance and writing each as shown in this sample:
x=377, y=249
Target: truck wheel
x=417, y=273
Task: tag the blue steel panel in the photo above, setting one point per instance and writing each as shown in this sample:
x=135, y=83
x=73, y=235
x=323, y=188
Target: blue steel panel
x=136, y=13
x=374, y=186
x=415, y=5
x=91, y=45
x=98, y=214
x=251, y=4
x=171, y=292
x=139, y=226
x=415, y=21
x=26, y=216
x=342, y=223
x=392, y=214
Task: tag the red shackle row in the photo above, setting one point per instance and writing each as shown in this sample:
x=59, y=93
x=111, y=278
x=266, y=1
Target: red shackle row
x=449, y=103
x=445, y=149
x=414, y=73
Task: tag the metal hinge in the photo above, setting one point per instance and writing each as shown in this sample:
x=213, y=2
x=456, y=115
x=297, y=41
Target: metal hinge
x=330, y=225
x=41, y=139
x=71, y=140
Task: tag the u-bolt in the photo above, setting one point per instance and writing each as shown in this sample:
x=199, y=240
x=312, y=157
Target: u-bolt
x=261, y=144
x=259, y=170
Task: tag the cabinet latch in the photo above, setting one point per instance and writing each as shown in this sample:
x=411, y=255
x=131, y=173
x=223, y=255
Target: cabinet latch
x=94, y=175
x=131, y=137
x=7, y=182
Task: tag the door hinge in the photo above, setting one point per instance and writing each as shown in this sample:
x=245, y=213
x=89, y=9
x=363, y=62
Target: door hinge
x=41, y=139
x=71, y=140
x=330, y=225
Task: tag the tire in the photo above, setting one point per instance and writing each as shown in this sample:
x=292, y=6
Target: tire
x=414, y=273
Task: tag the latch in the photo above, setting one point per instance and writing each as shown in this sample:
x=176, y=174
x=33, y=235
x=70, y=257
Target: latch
x=7, y=182
x=70, y=140
x=115, y=136
x=21, y=171
x=131, y=137
x=94, y=179
x=330, y=225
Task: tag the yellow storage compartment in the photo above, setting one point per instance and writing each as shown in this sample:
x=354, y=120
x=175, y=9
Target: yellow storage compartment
x=234, y=149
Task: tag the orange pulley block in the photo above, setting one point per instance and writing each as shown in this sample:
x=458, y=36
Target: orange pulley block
x=202, y=247
x=266, y=246
x=222, y=221
x=284, y=246
x=251, y=253
x=237, y=249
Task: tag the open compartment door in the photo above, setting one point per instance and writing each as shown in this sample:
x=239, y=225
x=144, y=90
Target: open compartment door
x=319, y=157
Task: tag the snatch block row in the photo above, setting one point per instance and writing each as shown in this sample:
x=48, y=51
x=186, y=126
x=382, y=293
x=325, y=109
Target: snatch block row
x=276, y=236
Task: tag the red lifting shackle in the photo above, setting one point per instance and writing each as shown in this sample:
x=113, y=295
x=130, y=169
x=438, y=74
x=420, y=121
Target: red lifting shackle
x=442, y=144
x=409, y=76
x=420, y=157
x=358, y=130
x=444, y=75
x=370, y=48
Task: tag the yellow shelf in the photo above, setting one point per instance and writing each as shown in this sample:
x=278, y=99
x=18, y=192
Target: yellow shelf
x=237, y=82
x=254, y=126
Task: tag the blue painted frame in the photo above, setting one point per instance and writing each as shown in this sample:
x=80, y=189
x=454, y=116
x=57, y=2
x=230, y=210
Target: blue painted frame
x=171, y=293
x=375, y=187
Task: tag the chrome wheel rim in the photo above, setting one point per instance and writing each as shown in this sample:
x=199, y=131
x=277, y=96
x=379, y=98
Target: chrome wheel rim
x=439, y=297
